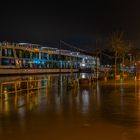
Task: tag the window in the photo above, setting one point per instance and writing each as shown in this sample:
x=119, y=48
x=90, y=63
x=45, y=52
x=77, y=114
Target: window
x=7, y=52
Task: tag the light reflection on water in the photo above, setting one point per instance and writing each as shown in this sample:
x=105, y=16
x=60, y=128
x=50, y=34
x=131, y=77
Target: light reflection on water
x=99, y=108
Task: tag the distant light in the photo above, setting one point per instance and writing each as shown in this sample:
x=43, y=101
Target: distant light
x=83, y=75
x=83, y=64
x=36, y=50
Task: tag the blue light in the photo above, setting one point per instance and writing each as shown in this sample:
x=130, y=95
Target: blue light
x=36, y=61
x=43, y=62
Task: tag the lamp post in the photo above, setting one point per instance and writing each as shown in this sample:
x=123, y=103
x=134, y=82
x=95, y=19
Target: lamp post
x=60, y=76
x=96, y=66
x=60, y=56
x=97, y=71
x=130, y=60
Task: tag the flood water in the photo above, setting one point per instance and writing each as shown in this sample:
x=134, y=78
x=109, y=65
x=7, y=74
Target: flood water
x=44, y=107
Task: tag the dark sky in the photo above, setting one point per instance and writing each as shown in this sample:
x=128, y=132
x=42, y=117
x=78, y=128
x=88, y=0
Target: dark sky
x=73, y=22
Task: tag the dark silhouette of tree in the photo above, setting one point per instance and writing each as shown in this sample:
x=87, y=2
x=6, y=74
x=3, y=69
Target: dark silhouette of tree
x=121, y=47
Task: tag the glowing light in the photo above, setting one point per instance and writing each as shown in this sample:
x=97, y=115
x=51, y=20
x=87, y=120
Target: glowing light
x=83, y=64
x=83, y=75
x=36, y=50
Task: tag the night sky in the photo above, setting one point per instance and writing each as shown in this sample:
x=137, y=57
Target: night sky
x=76, y=23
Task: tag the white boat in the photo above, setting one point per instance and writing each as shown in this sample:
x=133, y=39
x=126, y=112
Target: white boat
x=25, y=58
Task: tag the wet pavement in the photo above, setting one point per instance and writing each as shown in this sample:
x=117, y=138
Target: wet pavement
x=48, y=109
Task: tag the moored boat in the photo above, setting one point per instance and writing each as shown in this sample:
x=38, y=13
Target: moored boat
x=25, y=58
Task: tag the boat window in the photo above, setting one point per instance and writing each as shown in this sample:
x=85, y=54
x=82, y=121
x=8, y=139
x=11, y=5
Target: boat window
x=50, y=56
x=35, y=55
x=26, y=54
x=19, y=53
x=7, y=52
x=44, y=56
x=63, y=57
x=8, y=62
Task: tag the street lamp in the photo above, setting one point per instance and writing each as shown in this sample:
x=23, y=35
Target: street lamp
x=60, y=56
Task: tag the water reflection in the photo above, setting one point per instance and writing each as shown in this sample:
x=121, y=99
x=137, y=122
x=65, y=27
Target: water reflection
x=46, y=98
x=85, y=101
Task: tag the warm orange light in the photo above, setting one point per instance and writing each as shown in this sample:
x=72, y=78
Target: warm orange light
x=36, y=50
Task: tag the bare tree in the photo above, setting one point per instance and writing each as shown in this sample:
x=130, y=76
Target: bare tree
x=116, y=44
x=124, y=50
x=120, y=47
